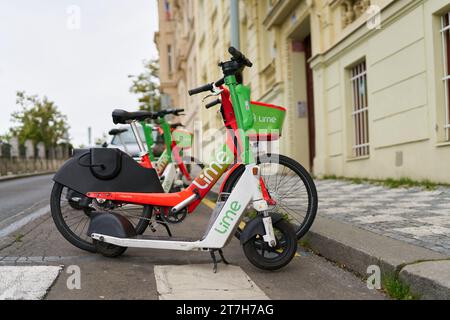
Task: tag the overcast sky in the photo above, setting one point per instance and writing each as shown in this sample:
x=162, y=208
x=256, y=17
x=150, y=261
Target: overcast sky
x=82, y=67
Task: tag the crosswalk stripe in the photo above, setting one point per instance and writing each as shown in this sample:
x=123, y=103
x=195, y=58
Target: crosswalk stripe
x=199, y=282
x=26, y=283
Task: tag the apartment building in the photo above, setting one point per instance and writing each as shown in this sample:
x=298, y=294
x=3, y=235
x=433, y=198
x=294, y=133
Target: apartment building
x=365, y=82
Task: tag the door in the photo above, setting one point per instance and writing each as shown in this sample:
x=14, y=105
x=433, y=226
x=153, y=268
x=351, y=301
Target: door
x=310, y=101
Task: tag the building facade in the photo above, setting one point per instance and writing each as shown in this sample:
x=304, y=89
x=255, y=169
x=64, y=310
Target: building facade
x=365, y=82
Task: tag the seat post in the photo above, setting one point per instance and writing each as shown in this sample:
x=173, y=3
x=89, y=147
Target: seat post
x=135, y=130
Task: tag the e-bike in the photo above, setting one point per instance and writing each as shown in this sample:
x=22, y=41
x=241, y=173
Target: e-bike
x=112, y=179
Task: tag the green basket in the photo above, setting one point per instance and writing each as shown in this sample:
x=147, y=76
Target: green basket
x=182, y=138
x=268, y=121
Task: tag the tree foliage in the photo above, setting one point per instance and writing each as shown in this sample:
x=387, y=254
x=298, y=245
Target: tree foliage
x=146, y=86
x=38, y=120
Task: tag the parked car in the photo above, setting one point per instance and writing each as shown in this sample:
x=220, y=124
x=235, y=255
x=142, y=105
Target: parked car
x=123, y=139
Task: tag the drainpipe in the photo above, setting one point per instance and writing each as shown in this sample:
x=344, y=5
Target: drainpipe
x=234, y=15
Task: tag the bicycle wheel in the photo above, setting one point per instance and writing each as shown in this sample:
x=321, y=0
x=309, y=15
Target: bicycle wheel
x=262, y=256
x=73, y=224
x=290, y=185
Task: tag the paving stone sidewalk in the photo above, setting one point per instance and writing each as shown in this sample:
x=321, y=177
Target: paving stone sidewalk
x=413, y=215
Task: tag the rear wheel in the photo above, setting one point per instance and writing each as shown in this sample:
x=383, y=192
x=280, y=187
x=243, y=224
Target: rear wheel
x=262, y=256
x=109, y=250
x=73, y=224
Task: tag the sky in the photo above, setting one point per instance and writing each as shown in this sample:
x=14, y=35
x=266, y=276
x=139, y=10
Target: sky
x=78, y=53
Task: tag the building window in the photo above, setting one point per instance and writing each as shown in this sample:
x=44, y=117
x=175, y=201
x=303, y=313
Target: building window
x=445, y=31
x=360, y=110
x=170, y=58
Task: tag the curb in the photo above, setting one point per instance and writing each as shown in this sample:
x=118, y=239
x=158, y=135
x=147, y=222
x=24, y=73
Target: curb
x=25, y=175
x=423, y=270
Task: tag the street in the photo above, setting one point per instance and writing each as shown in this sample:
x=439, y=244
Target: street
x=21, y=197
x=135, y=275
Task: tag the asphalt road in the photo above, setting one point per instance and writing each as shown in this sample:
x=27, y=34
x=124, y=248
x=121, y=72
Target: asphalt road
x=20, y=197
x=135, y=274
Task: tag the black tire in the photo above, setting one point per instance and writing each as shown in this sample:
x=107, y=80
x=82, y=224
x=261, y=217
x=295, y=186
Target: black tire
x=301, y=221
x=276, y=258
x=81, y=241
x=109, y=250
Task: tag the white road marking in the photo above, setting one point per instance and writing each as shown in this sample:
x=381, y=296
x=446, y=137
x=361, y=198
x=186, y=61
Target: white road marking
x=198, y=282
x=25, y=220
x=26, y=283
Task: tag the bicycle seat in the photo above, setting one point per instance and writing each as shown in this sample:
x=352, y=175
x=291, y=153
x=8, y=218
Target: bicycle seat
x=114, y=132
x=123, y=117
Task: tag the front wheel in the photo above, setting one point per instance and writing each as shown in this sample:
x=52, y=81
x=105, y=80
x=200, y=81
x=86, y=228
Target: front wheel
x=289, y=185
x=262, y=256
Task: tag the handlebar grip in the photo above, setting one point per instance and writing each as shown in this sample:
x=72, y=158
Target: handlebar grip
x=239, y=56
x=220, y=82
x=206, y=87
x=214, y=103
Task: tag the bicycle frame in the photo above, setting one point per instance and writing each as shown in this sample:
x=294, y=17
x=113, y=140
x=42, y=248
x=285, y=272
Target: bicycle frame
x=222, y=228
x=172, y=152
x=237, y=144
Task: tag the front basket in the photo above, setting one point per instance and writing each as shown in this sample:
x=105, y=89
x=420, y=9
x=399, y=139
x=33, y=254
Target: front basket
x=268, y=121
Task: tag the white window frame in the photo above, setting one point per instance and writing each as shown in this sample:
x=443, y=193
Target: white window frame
x=170, y=58
x=360, y=110
x=446, y=78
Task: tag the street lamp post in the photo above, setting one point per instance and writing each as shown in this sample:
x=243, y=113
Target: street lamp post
x=234, y=17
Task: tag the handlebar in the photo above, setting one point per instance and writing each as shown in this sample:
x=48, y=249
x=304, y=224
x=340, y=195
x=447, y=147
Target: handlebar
x=206, y=87
x=237, y=63
x=213, y=103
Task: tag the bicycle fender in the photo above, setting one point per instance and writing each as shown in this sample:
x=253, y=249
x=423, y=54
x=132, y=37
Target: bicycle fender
x=75, y=174
x=111, y=224
x=256, y=227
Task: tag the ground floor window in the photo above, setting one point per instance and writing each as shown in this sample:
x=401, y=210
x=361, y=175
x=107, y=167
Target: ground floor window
x=360, y=110
x=445, y=31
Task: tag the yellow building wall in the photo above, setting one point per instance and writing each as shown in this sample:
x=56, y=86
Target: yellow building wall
x=402, y=106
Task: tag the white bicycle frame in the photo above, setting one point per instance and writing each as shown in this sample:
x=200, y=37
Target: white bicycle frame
x=223, y=227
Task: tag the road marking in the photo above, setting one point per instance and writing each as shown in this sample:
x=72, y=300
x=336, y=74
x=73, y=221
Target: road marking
x=26, y=283
x=199, y=282
x=25, y=220
x=210, y=204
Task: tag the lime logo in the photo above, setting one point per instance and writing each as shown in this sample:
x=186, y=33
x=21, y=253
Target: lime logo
x=212, y=172
x=263, y=119
x=228, y=218
x=267, y=119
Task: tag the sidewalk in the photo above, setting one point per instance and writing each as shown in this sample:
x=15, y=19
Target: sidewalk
x=406, y=232
x=418, y=217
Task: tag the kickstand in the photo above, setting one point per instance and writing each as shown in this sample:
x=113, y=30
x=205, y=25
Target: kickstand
x=222, y=257
x=212, y=252
x=161, y=222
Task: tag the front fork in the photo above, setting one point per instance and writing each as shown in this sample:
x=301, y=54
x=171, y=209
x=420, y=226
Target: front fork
x=261, y=204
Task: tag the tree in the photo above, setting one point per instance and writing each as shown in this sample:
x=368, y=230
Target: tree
x=146, y=86
x=38, y=120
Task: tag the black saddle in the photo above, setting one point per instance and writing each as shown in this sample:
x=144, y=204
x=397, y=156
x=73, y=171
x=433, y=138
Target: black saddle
x=114, y=132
